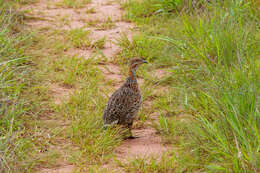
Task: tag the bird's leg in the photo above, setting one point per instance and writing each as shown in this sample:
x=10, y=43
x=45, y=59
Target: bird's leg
x=129, y=126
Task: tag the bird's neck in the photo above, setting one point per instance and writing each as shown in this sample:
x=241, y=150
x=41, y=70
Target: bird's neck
x=131, y=81
x=132, y=74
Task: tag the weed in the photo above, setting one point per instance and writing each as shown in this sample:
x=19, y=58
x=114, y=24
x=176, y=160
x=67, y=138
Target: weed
x=93, y=22
x=137, y=9
x=99, y=43
x=65, y=20
x=79, y=38
x=101, y=25
x=90, y=10
x=107, y=24
x=150, y=164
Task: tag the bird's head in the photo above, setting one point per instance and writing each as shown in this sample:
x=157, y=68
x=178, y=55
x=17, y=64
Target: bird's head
x=136, y=62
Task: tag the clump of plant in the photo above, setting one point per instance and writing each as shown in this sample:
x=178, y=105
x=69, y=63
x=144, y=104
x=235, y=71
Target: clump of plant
x=167, y=5
x=80, y=38
x=100, y=43
x=107, y=24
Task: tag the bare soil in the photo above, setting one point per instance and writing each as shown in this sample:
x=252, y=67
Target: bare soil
x=147, y=143
x=59, y=93
x=62, y=169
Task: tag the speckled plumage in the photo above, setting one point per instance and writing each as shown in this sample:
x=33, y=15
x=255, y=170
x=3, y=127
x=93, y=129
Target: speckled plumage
x=123, y=105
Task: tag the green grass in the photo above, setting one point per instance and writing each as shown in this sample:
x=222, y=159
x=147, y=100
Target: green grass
x=31, y=124
x=151, y=164
x=100, y=43
x=85, y=108
x=107, y=24
x=15, y=78
x=101, y=24
x=80, y=38
x=88, y=143
x=87, y=128
x=41, y=131
x=207, y=102
x=83, y=139
x=212, y=53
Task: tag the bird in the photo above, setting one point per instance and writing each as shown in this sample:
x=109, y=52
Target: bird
x=125, y=102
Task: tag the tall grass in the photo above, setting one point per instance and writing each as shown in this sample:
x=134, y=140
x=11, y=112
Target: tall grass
x=224, y=41
x=225, y=99
x=216, y=63
x=13, y=79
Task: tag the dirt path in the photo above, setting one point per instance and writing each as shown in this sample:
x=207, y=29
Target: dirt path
x=50, y=14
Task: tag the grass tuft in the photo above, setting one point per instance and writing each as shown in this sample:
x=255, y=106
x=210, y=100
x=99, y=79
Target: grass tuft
x=150, y=164
x=80, y=38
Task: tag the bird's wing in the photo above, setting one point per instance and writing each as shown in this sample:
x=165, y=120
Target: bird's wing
x=120, y=103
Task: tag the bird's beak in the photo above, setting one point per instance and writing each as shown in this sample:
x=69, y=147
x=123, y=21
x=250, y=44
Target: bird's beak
x=144, y=61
